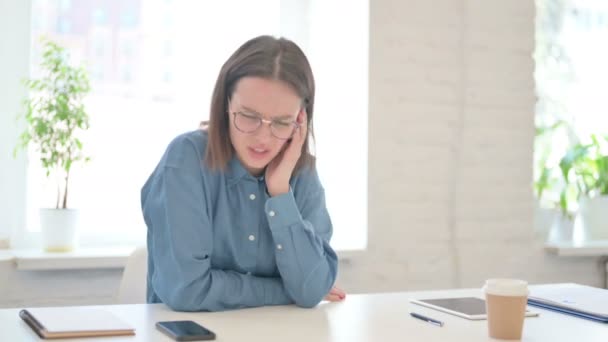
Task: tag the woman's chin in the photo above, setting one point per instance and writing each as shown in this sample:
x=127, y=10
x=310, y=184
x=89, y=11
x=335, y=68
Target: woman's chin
x=255, y=166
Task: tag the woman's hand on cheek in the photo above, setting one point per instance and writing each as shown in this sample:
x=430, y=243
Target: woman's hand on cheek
x=280, y=169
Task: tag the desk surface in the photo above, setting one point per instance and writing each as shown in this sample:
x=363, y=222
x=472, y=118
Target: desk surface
x=366, y=317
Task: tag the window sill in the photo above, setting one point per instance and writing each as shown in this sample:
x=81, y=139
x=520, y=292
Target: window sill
x=582, y=249
x=82, y=258
x=90, y=258
x=349, y=254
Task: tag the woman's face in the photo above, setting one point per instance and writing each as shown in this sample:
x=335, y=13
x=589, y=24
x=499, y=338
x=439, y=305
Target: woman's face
x=271, y=100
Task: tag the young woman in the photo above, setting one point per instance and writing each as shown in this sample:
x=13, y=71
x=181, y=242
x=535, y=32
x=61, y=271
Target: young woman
x=235, y=211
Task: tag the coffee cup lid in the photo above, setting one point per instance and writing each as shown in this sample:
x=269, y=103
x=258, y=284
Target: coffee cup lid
x=506, y=287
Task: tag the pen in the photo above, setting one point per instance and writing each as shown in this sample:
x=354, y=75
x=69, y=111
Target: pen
x=427, y=319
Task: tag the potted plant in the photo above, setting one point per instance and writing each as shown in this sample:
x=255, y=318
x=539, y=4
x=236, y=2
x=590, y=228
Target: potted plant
x=584, y=169
x=554, y=219
x=55, y=115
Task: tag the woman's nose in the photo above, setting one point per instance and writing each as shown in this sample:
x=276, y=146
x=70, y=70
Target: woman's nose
x=265, y=129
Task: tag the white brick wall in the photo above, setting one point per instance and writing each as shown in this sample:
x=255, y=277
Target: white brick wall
x=450, y=149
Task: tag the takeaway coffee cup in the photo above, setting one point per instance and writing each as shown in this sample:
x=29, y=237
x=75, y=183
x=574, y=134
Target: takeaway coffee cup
x=506, y=307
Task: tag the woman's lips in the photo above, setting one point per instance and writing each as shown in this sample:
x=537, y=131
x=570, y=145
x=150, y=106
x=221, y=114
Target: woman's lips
x=258, y=152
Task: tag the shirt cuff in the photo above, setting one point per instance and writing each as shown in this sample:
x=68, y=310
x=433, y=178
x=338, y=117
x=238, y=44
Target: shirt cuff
x=282, y=211
x=274, y=293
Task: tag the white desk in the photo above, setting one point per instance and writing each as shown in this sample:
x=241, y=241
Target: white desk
x=373, y=317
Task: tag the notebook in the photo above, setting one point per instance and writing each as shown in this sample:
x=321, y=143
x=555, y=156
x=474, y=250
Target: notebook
x=579, y=300
x=66, y=322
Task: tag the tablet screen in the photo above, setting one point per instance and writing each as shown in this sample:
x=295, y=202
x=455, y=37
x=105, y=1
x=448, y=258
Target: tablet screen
x=469, y=306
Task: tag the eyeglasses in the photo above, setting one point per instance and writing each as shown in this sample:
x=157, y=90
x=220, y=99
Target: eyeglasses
x=249, y=123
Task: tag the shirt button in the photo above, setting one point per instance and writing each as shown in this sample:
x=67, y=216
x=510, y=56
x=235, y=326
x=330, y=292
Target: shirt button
x=271, y=213
x=252, y=197
x=279, y=247
x=251, y=238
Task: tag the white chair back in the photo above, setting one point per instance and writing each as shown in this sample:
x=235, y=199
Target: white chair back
x=133, y=285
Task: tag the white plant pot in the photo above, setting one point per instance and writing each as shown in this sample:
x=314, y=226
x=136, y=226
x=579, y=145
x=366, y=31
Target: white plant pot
x=594, y=217
x=544, y=221
x=58, y=229
x=562, y=229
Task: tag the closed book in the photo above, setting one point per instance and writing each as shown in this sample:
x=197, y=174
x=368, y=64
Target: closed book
x=68, y=322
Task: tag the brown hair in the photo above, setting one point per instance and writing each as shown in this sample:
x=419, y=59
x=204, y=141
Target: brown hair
x=266, y=57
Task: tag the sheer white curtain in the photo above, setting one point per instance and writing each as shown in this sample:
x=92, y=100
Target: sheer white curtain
x=153, y=66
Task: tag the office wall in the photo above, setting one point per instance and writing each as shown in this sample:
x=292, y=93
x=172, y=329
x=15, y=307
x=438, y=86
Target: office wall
x=451, y=128
x=58, y=287
x=450, y=160
x=13, y=67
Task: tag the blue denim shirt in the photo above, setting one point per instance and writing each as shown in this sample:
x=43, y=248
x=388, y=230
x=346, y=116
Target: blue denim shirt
x=217, y=240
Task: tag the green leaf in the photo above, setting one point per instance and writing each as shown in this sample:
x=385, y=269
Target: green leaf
x=563, y=202
x=573, y=156
x=543, y=182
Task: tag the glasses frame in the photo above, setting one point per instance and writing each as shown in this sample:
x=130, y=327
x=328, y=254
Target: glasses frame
x=264, y=121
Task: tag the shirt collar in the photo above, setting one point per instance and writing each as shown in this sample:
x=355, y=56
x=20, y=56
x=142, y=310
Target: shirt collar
x=236, y=172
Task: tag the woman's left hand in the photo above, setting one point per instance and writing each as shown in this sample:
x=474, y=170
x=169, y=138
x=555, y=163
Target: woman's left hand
x=335, y=295
x=279, y=170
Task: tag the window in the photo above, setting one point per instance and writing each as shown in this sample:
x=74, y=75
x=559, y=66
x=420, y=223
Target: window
x=153, y=65
x=570, y=75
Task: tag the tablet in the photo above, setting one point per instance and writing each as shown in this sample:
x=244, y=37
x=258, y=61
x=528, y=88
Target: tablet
x=467, y=307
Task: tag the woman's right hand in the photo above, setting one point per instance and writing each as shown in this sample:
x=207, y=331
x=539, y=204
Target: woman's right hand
x=335, y=295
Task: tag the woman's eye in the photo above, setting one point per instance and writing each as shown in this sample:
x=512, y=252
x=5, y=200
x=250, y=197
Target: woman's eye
x=250, y=116
x=282, y=123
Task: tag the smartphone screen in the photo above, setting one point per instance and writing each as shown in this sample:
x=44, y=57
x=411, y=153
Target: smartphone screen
x=185, y=331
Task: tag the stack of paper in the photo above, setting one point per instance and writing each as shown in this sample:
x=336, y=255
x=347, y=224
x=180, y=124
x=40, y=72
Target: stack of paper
x=65, y=322
x=579, y=300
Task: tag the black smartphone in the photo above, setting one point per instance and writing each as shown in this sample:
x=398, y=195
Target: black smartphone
x=185, y=331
